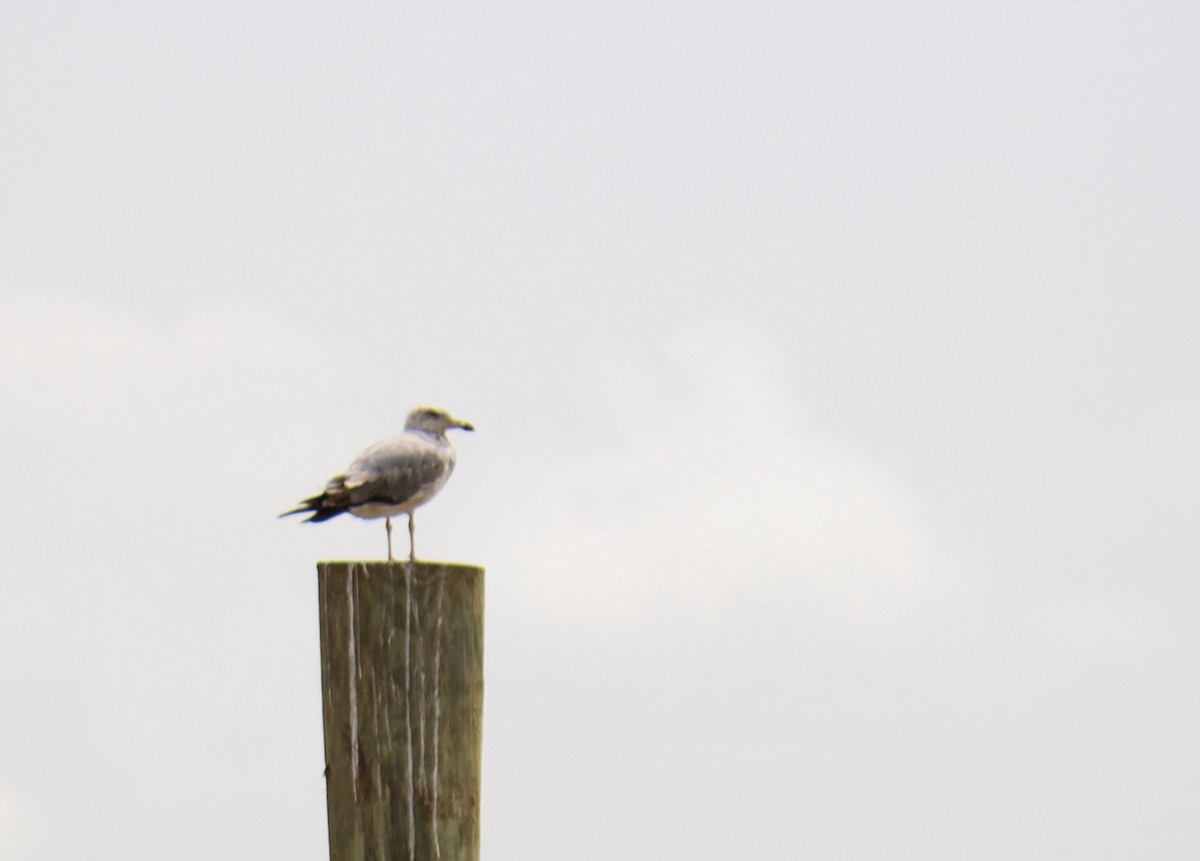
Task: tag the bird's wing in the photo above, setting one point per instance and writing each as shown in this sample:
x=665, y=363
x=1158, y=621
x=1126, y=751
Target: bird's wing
x=392, y=471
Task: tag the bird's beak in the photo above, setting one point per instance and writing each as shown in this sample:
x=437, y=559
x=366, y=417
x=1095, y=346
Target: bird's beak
x=467, y=426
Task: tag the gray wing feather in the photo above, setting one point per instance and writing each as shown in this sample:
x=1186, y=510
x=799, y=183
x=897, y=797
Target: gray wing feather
x=393, y=470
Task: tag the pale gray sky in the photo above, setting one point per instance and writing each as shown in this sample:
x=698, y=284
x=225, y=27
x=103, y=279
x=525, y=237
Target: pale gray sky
x=837, y=387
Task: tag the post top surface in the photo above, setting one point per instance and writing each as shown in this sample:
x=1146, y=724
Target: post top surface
x=398, y=565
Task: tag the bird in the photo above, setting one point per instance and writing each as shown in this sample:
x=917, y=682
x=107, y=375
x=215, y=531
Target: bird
x=393, y=476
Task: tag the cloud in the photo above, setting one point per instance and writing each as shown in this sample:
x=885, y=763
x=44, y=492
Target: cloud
x=145, y=463
x=26, y=829
x=701, y=487
x=72, y=365
x=1096, y=627
x=706, y=491
x=119, y=414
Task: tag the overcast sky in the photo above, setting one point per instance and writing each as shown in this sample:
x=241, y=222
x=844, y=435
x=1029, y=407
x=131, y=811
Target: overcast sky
x=836, y=379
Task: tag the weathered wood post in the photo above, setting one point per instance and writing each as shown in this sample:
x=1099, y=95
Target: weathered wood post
x=402, y=684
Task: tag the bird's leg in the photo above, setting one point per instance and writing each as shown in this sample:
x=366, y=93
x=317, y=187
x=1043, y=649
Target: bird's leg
x=388, y=522
x=412, y=539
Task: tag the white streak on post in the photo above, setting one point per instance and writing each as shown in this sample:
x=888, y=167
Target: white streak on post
x=353, y=654
x=423, y=774
x=412, y=816
x=391, y=681
x=437, y=707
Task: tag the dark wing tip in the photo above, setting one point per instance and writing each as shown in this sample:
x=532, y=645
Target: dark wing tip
x=320, y=514
x=318, y=506
x=316, y=515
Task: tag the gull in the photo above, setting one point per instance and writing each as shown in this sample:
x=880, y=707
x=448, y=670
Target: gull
x=393, y=476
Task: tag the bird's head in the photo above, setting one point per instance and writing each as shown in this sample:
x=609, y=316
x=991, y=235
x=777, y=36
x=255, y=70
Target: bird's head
x=434, y=420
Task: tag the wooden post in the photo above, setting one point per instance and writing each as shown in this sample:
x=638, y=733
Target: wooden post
x=402, y=683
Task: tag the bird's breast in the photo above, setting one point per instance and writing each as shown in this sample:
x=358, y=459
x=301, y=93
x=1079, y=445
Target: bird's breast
x=372, y=510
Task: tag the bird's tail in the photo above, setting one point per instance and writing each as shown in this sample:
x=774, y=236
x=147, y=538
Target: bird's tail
x=314, y=506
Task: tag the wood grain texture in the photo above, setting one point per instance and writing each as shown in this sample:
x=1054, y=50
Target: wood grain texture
x=402, y=685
